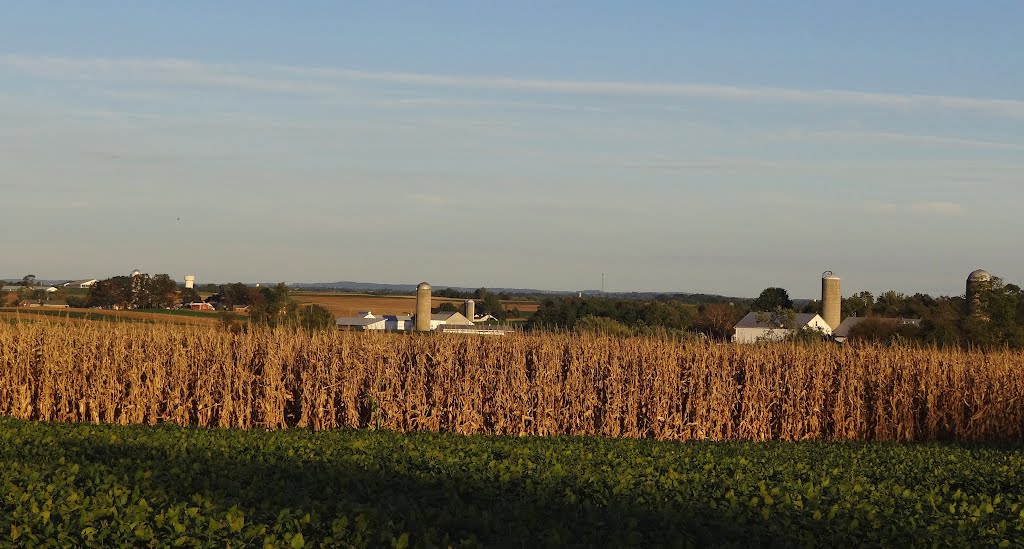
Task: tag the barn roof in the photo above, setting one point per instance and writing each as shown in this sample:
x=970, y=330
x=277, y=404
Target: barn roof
x=751, y=321
x=844, y=329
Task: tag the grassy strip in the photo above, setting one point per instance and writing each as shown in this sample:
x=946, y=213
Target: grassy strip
x=80, y=315
x=89, y=485
x=182, y=312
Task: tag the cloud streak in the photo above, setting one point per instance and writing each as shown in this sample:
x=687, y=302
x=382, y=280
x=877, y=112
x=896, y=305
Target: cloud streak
x=946, y=209
x=330, y=81
x=939, y=209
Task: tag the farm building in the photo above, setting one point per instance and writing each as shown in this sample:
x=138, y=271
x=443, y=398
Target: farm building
x=841, y=333
x=48, y=289
x=85, y=283
x=769, y=327
x=366, y=320
x=200, y=306
x=448, y=319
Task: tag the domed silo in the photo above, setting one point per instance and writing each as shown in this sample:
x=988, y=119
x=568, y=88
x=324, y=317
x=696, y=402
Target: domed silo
x=831, y=299
x=977, y=283
x=423, y=307
x=135, y=273
x=470, y=309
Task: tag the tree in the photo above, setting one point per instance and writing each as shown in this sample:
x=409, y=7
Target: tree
x=859, y=304
x=189, y=295
x=276, y=309
x=717, y=320
x=772, y=299
x=315, y=317
x=112, y=292
x=236, y=294
x=493, y=306
x=28, y=280
x=603, y=326
x=159, y=292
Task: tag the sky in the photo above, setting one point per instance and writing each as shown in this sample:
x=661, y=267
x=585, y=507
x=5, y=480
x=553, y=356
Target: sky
x=713, y=147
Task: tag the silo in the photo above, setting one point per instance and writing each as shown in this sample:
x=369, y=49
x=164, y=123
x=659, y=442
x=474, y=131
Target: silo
x=831, y=299
x=190, y=281
x=423, y=307
x=977, y=283
x=470, y=309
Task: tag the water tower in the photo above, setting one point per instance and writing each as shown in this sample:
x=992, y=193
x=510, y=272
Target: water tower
x=190, y=281
x=423, y=307
x=831, y=299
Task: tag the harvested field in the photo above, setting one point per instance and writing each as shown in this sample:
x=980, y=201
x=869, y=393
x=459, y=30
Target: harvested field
x=519, y=385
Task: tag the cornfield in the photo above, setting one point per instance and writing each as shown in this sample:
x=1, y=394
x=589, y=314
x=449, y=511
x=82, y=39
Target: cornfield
x=549, y=384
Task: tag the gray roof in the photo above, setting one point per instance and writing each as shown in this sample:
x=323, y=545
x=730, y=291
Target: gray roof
x=357, y=321
x=446, y=317
x=844, y=329
x=750, y=321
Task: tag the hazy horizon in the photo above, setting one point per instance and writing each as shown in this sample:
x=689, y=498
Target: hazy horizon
x=674, y=146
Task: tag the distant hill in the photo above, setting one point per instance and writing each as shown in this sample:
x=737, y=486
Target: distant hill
x=347, y=285
x=372, y=287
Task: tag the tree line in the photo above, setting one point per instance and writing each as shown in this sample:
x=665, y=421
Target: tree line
x=268, y=305
x=944, y=321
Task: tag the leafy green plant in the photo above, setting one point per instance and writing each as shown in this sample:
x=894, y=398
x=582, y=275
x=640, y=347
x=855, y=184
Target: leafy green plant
x=114, y=486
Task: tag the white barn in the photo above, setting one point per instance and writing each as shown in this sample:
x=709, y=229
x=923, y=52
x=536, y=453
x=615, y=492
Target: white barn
x=448, y=319
x=365, y=320
x=757, y=327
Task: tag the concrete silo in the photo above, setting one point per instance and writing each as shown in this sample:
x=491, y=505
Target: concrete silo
x=470, y=309
x=977, y=284
x=190, y=281
x=423, y=307
x=831, y=299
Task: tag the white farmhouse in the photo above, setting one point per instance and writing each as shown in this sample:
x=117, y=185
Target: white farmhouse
x=770, y=327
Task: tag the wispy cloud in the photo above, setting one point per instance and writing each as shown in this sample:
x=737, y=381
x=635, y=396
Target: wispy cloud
x=427, y=199
x=938, y=209
x=313, y=80
x=949, y=209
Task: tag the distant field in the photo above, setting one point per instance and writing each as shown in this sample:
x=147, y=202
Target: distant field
x=349, y=304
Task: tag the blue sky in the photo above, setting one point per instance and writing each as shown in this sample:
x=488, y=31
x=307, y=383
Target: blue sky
x=674, y=146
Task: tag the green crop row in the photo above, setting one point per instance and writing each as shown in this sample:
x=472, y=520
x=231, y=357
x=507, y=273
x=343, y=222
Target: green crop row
x=111, y=486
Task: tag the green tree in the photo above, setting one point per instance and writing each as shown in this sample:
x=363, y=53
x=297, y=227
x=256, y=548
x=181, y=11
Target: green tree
x=112, y=292
x=28, y=280
x=603, y=326
x=492, y=305
x=315, y=317
x=189, y=295
x=159, y=292
x=860, y=304
x=771, y=299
